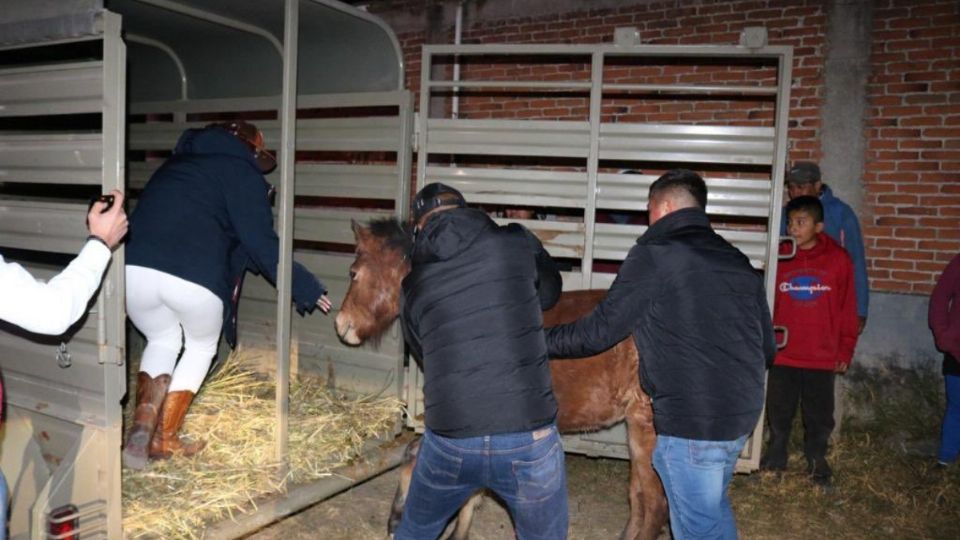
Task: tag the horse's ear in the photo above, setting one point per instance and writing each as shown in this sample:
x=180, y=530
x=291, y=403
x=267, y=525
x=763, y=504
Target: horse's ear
x=358, y=229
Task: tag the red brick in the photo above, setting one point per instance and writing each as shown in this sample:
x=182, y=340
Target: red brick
x=903, y=232
x=938, y=245
x=922, y=288
x=873, y=253
x=897, y=199
x=895, y=243
x=913, y=255
x=888, y=221
x=891, y=286
x=916, y=211
x=909, y=276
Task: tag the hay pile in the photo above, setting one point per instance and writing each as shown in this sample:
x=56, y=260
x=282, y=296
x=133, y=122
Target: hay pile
x=234, y=413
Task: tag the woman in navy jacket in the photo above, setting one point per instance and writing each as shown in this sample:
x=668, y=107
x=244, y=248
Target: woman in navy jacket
x=203, y=219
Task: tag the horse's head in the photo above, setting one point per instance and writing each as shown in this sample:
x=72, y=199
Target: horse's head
x=373, y=299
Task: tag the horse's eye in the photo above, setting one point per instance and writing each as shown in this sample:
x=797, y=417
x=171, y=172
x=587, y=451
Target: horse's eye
x=353, y=275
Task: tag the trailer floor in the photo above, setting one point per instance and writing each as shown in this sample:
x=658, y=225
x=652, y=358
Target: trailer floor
x=598, y=508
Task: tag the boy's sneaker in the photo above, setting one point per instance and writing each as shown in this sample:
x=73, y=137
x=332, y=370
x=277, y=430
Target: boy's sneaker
x=820, y=472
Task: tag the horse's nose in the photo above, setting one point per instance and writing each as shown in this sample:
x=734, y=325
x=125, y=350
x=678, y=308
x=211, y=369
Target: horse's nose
x=344, y=327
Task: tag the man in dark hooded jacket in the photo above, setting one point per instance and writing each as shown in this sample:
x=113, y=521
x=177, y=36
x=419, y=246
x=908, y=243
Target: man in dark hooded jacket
x=472, y=316
x=202, y=221
x=699, y=315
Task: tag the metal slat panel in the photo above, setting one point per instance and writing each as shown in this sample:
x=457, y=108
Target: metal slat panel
x=313, y=180
x=366, y=134
x=514, y=186
x=327, y=225
x=614, y=241
x=352, y=181
x=560, y=238
x=725, y=196
x=42, y=226
x=688, y=144
x=60, y=89
x=508, y=137
x=51, y=158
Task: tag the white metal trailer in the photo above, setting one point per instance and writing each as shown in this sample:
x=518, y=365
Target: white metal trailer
x=69, y=74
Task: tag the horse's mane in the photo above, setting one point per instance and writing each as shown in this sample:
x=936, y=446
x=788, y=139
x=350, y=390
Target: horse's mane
x=395, y=235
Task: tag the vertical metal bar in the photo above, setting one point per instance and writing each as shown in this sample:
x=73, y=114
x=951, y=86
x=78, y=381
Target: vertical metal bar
x=785, y=73
x=426, y=66
x=288, y=140
x=402, y=206
x=111, y=298
x=750, y=459
x=593, y=160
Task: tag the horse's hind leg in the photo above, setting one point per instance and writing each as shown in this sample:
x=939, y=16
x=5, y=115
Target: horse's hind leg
x=648, y=502
x=465, y=517
x=406, y=474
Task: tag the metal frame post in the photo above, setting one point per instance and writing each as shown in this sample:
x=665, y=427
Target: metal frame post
x=288, y=138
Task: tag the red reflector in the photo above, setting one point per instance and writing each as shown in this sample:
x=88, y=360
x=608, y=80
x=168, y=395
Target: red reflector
x=63, y=522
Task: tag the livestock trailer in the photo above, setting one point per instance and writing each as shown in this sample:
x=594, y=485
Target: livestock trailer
x=93, y=94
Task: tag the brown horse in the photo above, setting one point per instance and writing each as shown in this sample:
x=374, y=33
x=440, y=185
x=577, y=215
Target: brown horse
x=592, y=393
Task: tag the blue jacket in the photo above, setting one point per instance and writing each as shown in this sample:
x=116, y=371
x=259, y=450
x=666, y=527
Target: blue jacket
x=205, y=217
x=841, y=224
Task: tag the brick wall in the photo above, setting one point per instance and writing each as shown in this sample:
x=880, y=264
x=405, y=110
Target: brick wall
x=911, y=210
x=912, y=177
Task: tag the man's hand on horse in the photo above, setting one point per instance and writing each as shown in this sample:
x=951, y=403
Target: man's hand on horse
x=324, y=303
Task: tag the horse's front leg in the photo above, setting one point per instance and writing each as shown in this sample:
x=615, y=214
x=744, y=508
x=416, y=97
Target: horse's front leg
x=406, y=474
x=648, y=502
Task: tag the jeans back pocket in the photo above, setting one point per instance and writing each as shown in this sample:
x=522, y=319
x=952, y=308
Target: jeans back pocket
x=436, y=467
x=540, y=478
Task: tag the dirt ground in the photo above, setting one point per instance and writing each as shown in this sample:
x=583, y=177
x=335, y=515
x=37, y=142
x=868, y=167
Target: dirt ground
x=907, y=498
x=886, y=483
x=598, y=508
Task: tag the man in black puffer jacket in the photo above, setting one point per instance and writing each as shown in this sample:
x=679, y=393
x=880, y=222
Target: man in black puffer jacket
x=699, y=315
x=472, y=317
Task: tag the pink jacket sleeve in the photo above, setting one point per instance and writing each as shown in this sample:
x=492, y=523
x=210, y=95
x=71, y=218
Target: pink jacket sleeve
x=944, y=313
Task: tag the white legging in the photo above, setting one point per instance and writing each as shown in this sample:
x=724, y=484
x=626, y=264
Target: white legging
x=172, y=312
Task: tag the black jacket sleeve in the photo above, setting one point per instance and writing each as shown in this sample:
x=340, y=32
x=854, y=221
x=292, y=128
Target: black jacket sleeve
x=549, y=281
x=769, y=336
x=252, y=219
x=410, y=334
x=615, y=317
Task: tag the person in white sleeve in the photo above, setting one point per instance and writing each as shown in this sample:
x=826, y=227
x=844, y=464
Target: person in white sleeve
x=52, y=307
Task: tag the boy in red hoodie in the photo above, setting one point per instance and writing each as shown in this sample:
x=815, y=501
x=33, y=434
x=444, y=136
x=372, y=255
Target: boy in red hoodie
x=816, y=302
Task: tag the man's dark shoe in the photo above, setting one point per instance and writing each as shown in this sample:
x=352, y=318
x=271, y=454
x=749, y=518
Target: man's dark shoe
x=772, y=466
x=826, y=482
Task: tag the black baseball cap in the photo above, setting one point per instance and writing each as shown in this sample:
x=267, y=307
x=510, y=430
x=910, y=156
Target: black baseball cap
x=804, y=172
x=436, y=195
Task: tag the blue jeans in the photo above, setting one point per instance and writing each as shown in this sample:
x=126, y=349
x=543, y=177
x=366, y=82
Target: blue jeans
x=526, y=470
x=695, y=476
x=950, y=429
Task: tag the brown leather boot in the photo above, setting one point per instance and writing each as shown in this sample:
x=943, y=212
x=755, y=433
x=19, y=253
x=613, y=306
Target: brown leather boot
x=166, y=442
x=150, y=394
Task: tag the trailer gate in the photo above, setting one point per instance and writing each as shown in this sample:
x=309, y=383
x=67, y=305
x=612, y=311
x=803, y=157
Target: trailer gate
x=499, y=151
x=62, y=432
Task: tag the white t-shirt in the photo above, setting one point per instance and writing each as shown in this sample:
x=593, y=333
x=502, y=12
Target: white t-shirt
x=50, y=308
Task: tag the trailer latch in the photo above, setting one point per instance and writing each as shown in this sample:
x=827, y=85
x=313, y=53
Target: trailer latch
x=63, y=356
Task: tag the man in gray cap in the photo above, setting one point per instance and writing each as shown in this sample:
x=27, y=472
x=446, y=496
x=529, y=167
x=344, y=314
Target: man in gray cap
x=840, y=223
